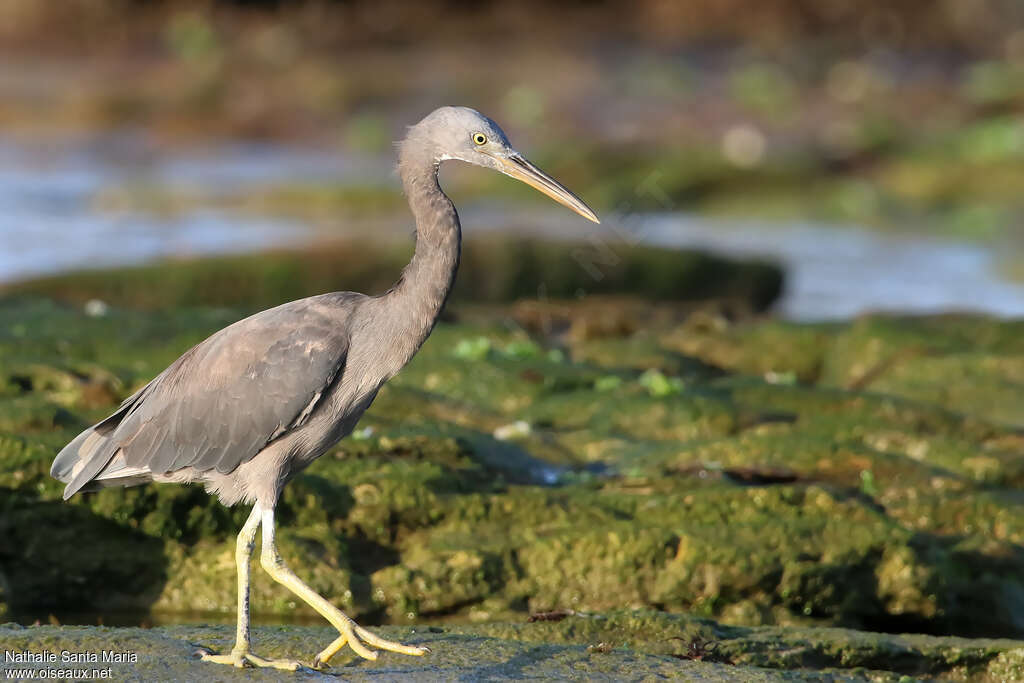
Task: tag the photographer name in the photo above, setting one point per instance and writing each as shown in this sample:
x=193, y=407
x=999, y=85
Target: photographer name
x=69, y=657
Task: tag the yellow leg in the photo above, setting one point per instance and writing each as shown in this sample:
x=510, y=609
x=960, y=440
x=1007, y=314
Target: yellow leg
x=240, y=654
x=351, y=633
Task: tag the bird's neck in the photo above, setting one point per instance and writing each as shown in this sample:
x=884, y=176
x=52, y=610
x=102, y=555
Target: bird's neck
x=416, y=300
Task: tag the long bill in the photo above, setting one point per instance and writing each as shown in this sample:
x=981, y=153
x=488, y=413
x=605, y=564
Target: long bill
x=519, y=168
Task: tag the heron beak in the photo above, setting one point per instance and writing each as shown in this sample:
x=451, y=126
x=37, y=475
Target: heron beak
x=515, y=166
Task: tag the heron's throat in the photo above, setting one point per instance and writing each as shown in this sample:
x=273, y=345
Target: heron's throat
x=416, y=300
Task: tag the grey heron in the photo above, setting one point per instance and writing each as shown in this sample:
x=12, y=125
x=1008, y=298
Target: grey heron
x=245, y=410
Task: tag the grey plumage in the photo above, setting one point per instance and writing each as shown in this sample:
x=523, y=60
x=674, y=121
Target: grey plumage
x=301, y=373
x=260, y=378
x=253, y=404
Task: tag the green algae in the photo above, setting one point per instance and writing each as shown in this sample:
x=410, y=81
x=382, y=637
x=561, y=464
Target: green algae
x=493, y=269
x=770, y=474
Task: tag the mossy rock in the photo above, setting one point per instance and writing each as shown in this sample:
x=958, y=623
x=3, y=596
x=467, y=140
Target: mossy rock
x=493, y=269
x=692, y=466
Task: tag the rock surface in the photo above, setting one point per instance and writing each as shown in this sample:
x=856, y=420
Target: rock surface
x=865, y=475
x=613, y=646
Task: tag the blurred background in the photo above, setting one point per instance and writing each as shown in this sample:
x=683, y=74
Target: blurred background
x=874, y=152
x=691, y=407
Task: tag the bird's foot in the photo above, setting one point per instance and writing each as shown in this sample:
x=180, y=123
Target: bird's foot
x=354, y=636
x=242, y=658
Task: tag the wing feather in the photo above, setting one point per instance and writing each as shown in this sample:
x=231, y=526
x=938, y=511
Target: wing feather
x=225, y=399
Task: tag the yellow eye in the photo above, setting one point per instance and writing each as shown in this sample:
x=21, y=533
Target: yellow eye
x=479, y=138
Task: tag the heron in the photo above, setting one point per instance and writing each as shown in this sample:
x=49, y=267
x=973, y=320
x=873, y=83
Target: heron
x=245, y=410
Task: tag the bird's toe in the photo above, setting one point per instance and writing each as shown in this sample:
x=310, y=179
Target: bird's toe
x=282, y=664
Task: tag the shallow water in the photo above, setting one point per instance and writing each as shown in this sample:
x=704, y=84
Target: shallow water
x=832, y=272
x=839, y=272
x=50, y=222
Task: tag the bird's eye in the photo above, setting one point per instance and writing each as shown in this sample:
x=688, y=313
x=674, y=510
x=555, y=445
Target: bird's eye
x=479, y=138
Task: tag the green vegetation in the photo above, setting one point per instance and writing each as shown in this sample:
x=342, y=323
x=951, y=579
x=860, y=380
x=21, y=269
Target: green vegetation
x=960, y=183
x=862, y=475
x=495, y=269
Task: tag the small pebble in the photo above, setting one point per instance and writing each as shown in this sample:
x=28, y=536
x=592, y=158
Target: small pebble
x=516, y=430
x=94, y=308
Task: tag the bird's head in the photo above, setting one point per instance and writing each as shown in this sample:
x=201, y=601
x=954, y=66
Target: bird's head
x=467, y=135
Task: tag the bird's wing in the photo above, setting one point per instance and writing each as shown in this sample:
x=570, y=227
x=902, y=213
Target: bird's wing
x=225, y=399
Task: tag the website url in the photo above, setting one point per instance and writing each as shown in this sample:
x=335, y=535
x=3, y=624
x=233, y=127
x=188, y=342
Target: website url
x=44, y=674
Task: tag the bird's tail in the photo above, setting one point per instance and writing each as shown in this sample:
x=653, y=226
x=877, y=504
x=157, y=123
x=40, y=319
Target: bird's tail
x=82, y=460
x=88, y=455
x=71, y=456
